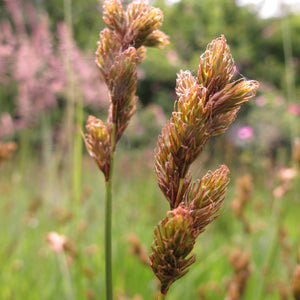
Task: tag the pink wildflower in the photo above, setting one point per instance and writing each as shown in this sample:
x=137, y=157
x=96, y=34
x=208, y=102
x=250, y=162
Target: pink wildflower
x=245, y=132
x=6, y=125
x=261, y=101
x=294, y=109
x=287, y=174
x=56, y=241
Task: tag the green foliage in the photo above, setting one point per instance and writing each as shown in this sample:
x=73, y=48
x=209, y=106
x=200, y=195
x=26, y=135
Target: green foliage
x=31, y=207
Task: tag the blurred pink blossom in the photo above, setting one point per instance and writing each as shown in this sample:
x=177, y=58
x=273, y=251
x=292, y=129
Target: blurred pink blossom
x=33, y=63
x=56, y=241
x=287, y=174
x=261, y=101
x=279, y=100
x=158, y=112
x=86, y=73
x=6, y=125
x=173, y=57
x=245, y=132
x=294, y=109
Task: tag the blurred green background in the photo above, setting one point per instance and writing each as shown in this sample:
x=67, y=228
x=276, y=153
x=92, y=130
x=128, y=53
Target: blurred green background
x=49, y=84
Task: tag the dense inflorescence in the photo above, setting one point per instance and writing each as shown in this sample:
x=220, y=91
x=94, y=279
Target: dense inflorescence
x=121, y=48
x=207, y=104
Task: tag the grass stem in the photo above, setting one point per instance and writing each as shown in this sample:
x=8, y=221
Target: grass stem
x=289, y=71
x=161, y=296
x=108, y=222
x=108, y=213
x=77, y=158
x=66, y=276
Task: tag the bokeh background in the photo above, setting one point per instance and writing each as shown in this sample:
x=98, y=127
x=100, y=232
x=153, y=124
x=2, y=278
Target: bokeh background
x=49, y=84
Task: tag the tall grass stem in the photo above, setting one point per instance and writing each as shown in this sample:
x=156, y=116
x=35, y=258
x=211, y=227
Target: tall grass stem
x=161, y=296
x=70, y=107
x=274, y=225
x=289, y=71
x=66, y=276
x=108, y=221
x=108, y=258
x=77, y=157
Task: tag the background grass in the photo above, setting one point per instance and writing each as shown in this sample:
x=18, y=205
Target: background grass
x=31, y=206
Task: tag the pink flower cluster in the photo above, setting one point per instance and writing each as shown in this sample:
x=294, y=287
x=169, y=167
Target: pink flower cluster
x=245, y=132
x=56, y=241
x=294, y=109
x=35, y=65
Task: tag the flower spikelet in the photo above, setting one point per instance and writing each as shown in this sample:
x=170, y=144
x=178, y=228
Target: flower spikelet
x=98, y=144
x=173, y=242
x=109, y=47
x=122, y=84
x=206, y=106
x=121, y=47
x=206, y=196
x=114, y=16
x=144, y=22
x=169, y=169
x=176, y=234
x=136, y=27
x=216, y=66
x=224, y=96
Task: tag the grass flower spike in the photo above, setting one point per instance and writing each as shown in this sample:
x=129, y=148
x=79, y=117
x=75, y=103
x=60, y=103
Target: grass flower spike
x=206, y=106
x=97, y=143
x=121, y=48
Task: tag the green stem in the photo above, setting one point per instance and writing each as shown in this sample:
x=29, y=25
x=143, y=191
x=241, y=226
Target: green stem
x=289, y=71
x=77, y=158
x=108, y=222
x=273, y=243
x=65, y=276
x=161, y=296
x=67, y=138
x=108, y=267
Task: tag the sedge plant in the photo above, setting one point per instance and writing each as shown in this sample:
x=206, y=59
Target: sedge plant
x=207, y=104
x=121, y=48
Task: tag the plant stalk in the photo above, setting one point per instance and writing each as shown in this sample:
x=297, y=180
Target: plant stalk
x=289, y=71
x=161, y=296
x=108, y=222
x=66, y=276
x=108, y=264
x=77, y=157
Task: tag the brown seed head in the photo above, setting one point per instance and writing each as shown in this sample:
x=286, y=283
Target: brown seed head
x=136, y=27
x=173, y=242
x=206, y=105
x=98, y=144
x=205, y=197
x=121, y=48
